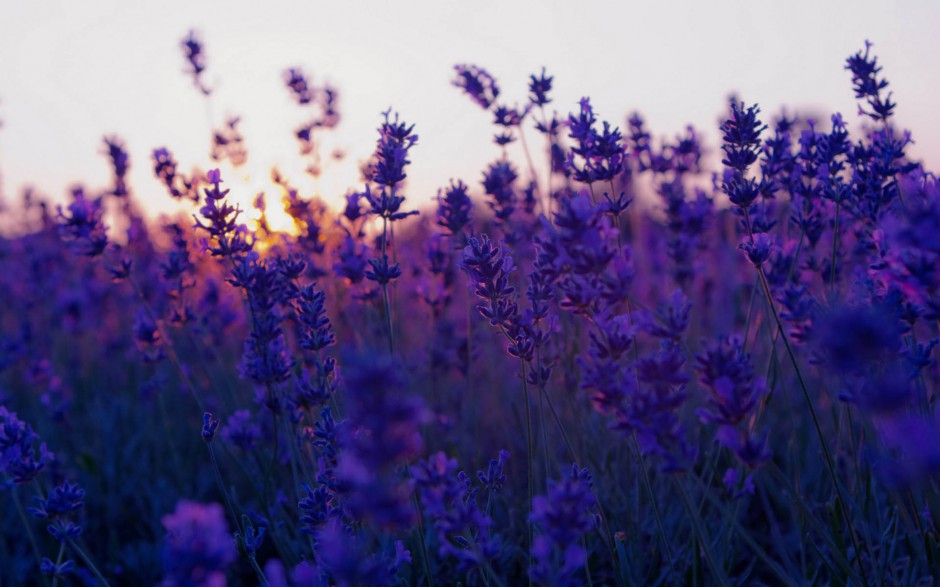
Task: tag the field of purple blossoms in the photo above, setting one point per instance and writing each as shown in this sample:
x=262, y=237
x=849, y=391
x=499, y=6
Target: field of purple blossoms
x=616, y=367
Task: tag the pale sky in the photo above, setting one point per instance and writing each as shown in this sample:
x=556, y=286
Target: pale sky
x=72, y=72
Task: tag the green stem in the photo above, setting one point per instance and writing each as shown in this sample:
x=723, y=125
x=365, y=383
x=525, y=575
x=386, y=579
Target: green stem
x=58, y=561
x=785, y=579
x=529, y=459
x=425, y=556
x=695, y=518
x=29, y=529
x=812, y=410
x=167, y=344
x=91, y=566
x=659, y=520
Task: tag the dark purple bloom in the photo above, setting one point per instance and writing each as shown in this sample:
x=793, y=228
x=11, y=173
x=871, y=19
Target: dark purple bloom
x=494, y=477
x=266, y=359
x=316, y=332
x=498, y=183
x=539, y=87
x=395, y=140
x=51, y=569
x=449, y=499
x=453, y=208
x=196, y=60
x=83, y=226
x=20, y=458
x=198, y=547
x=868, y=85
x=346, y=559
x=478, y=84
x=597, y=156
x=250, y=537
x=147, y=338
x=741, y=135
x=120, y=164
x=727, y=372
x=298, y=85
x=229, y=236
x=386, y=205
x=319, y=507
x=353, y=212
x=581, y=236
x=241, y=431
x=564, y=515
x=671, y=318
x=914, y=446
x=508, y=117
x=734, y=391
x=59, y=508
x=380, y=434
x=209, y=426
x=488, y=266
x=353, y=260
x=165, y=168
x=382, y=271
x=856, y=338
x=758, y=248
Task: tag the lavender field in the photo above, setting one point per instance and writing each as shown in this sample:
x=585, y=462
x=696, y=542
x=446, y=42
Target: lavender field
x=608, y=358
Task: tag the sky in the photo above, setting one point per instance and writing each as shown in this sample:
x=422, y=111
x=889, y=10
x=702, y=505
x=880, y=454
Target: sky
x=73, y=72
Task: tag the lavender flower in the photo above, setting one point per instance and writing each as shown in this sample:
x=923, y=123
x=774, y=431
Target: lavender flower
x=488, y=266
x=741, y=147
x=353, y=258
x=82, y=227
x=198, y=547
x=478, y=84
x=856, y=338
x=728, y=374
x=209, y=426
x=53, y=570
x=230, y=238
x=868, y=85
x=319, y=507
x=453, y=212
x=297, y=83
x=120, y=164
x=316, y=332
x=345, y=558
x=564, y=516
x=395, y=140
x=758, y=248
x=494, y=477
x=196, y=60
x=598, y=156
x=539, y=87
x=228, y=143
x=266, y=359
x=59, y=509
x=165, y=168
x=241, y=431
x=382, y=271
x=381, y=432
x=20, y=459
x=449, y=499
x=498, y=182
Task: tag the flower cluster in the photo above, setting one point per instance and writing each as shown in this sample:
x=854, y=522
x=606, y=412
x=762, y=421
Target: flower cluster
x=82, y=225
x=20, y=457
x=738, y=379
x=564, y=515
